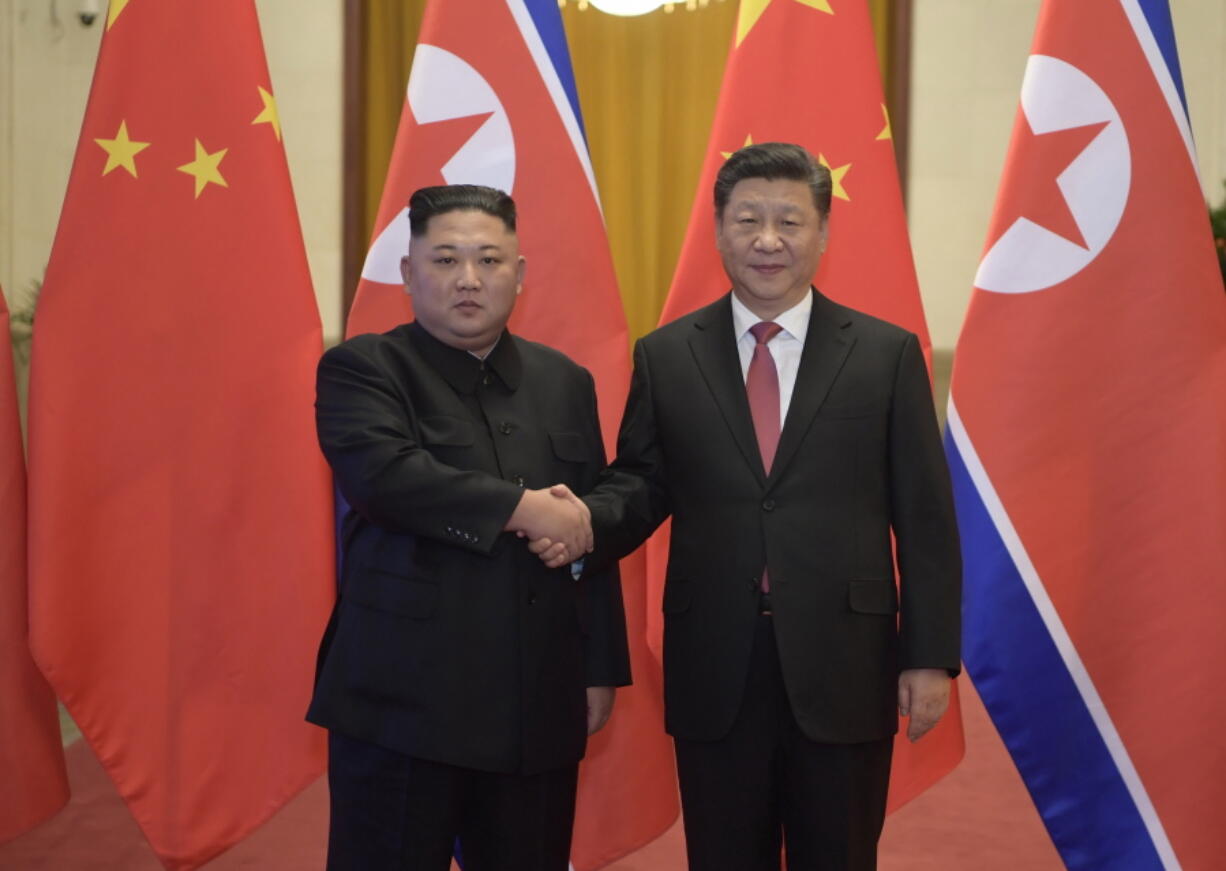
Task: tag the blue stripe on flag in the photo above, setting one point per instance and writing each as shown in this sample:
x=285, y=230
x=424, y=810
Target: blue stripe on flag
x=1158, y=14
x=1036, y=706
x=548, y=20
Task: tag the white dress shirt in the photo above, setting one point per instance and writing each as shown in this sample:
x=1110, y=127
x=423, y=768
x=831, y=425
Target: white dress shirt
x=785, y=347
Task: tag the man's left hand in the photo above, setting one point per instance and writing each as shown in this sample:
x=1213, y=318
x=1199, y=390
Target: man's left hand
x=923, y=695
x=599, y=707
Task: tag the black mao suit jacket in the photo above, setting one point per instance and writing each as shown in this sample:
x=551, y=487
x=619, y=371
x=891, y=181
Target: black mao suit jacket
x=859, y=456
x=450, y=641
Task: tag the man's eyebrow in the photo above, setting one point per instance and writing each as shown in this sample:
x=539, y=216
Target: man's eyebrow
x=448, y=246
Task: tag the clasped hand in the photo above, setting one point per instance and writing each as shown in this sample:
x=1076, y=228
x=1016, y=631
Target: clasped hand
x=556, y=523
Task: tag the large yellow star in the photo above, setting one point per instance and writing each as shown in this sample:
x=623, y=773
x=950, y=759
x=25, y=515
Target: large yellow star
x=121, y=151
x=205, y=168
x=113, y=11
x=887, y=132
x=748, y=141
x=268, y=115
x=751, y=11
x=836, y=176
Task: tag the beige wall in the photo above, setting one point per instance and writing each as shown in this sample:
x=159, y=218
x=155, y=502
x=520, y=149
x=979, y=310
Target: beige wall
x=969, y=56
x=46, y=64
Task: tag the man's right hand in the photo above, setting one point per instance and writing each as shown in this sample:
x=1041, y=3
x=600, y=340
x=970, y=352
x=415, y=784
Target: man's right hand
x=556, y=516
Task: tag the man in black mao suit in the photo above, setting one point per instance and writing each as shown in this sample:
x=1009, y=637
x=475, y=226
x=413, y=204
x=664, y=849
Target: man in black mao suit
x=788, y=650
x=459, y=676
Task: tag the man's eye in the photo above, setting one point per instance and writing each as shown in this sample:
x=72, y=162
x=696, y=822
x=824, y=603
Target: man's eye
x=489, y=261
x=747, y=220
x=445, y=261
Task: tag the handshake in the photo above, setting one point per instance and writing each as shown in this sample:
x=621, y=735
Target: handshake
x=556, y=523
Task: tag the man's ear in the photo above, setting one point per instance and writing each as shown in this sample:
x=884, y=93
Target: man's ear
x=404, y=271
x=520, y=266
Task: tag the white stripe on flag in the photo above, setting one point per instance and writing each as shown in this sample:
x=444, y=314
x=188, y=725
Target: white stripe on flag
x=1062, y=640
x=1162, y=73
x=553, y=84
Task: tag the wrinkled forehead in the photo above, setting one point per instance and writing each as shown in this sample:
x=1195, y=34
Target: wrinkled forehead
x=762, y=193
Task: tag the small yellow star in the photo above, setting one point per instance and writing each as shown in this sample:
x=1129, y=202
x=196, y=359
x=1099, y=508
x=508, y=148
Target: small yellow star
x=205, y=168
x=886, y=132
x=751, y=11
x=113, y=11
x=748, y=141
x=268, y=115
x=121, y=151
x=836, y=176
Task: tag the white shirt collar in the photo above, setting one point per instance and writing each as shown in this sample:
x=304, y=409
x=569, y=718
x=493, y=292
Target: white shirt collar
x=795, y=321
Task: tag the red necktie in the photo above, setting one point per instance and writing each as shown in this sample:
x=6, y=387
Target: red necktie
x=762, y=386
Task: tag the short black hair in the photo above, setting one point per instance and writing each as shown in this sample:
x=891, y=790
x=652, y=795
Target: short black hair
x=773, y=160
x=427, y=202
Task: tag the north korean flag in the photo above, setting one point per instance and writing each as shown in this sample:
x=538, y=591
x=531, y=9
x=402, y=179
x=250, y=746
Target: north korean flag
x=1087, y=438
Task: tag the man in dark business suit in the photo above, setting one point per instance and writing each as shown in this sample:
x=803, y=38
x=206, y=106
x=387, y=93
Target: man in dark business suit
x=459, y=676
x=787, y=436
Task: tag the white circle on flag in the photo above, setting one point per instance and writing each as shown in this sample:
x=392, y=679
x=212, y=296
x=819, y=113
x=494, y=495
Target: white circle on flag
x=443, y=86
x=1027, y=257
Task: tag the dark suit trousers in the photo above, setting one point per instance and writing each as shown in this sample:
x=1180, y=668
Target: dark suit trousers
x=392, y=812
x=765, y=785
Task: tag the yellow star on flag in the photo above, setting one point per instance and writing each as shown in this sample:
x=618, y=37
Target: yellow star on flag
x=751, y=11
x=121, y=151
x=113, y=11
x=748, y=141
x=836, y=176
x=268, y=115
x=887, y=132
x=205, y=168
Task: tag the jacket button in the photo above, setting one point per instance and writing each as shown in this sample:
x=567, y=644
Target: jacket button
x=518, y=480
x=504, y=428
x=768, y=505
x=532, y=600
x=754, y=583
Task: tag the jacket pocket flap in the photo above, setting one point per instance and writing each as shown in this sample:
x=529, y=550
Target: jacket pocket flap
x=440, y=430
x=569, y=446
x=873, y=597
x=396, y=594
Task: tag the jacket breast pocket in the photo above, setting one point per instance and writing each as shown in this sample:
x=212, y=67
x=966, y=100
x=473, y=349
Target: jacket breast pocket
x=873, y=597
x=394, y=594
x=570, y=447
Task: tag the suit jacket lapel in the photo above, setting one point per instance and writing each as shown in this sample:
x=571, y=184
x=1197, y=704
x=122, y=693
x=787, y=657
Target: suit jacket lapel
x=713, y=345
x=827, y=345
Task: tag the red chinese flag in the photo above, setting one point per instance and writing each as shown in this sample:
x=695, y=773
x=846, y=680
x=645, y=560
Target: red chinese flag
x=181, y=556
x=31, y=760
x=491, y=100
x=805, y=71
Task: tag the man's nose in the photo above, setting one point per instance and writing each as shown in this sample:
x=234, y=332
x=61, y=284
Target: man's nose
x=469, y=278
x=767, y=239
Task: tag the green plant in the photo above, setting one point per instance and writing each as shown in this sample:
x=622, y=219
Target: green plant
x=1217, y=219
x=21, y=319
